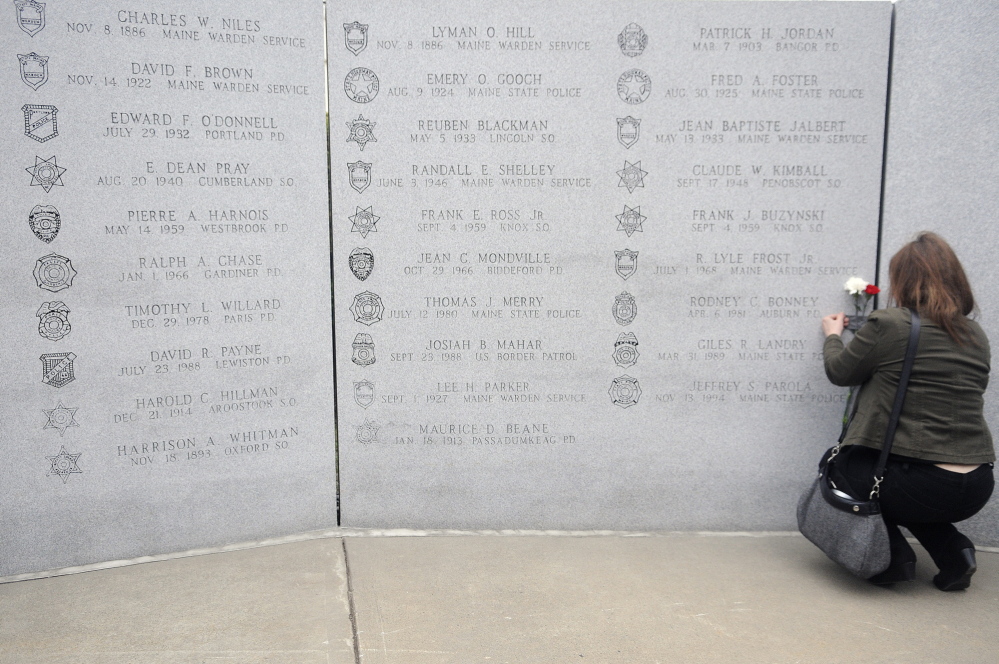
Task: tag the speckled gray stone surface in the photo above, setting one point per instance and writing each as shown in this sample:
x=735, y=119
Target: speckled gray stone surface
x=166, y=360
x=942, y=170
x=520, y=152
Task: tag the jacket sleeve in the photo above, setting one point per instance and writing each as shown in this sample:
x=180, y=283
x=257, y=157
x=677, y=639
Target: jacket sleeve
x=854, y=363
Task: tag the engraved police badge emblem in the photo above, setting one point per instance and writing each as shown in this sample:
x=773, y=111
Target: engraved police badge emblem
x=60, y=418
x=359, y=174
x=367, y=432
x=634, y=86
x=625, y=309
x=361, y=132
x=361, y=85
x=630, y=220
x=46, y=173
x=54, y=272
x=632, y=40
x=63, y=464
x=625, y=391
x=625, y=350
x=632, y=176
x=53, y=321
x=30, y=16
x=625, y=263
x=44, y=221
x=40, y=122
x=628, y=131
x=367, y=308
x=355, y=37
x=57, y=369
x=364, y=350
x=364, y=393
x=363, y=221
x=34, y=69
x=362, y=262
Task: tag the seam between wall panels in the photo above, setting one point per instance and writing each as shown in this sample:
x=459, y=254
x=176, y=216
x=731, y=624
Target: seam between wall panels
x=329, y=199
x=884, y=155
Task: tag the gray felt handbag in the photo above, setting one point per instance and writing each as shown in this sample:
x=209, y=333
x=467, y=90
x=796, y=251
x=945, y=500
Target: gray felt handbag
x=850, y=531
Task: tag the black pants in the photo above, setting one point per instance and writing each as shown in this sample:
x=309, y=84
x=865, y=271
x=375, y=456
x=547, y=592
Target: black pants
x=924, y=499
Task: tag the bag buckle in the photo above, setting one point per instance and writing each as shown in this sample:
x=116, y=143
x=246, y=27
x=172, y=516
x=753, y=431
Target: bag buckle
x=835, y=451
x=876, y=490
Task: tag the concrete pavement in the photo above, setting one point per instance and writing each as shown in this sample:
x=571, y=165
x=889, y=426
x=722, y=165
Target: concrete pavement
x=656, y=598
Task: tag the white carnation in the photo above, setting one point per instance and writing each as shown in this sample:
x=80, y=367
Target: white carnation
x=855, y=285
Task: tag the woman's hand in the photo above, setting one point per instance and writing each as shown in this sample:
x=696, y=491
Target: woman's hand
x=834, y=324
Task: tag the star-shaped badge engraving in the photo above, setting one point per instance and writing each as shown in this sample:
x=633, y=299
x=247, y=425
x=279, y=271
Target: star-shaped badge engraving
x=361, y=132
x=63, y=464
x=630, y=220
x=634, y=86
x=361, y=85
x=632, y=176
x=61, y=418
x=46, y=173
x=364, y=221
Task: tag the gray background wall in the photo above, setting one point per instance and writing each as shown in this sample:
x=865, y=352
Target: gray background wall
x=942, y=171
x=193, y=196
x=676, y=466
x=734, y=271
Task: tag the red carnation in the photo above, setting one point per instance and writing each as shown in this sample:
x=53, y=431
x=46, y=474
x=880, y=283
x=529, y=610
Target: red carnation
x=872, y=289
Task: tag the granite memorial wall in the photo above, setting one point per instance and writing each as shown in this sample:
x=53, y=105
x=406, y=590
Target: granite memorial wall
x=579, y=255
x=941, y=170
x=167, y=358
x=581, y=251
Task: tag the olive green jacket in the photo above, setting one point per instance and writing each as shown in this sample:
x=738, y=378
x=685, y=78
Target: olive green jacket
x=942, y=418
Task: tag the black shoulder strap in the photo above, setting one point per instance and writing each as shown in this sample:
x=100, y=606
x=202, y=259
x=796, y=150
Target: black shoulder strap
x=853, y=400
x=896, y=411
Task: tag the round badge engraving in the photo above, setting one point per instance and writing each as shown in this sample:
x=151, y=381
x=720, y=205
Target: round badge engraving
x=361, y=85
x=54, y=272
x=634, y=86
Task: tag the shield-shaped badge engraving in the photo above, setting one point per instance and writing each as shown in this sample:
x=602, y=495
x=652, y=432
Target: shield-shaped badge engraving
x=364, y=393
x=34, y=69
x=628, y=131
x=30, y=16
x=625, y=263
x=364, y=350
x=355, y=37
x=626, y=349
x=625, y=309
x=44, y=221
x=57, y=369
x=360, y=175
x=40, y=122
x=362, y=262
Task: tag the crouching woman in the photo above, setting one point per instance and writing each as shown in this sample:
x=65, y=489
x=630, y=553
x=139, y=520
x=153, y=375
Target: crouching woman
x=940, y=467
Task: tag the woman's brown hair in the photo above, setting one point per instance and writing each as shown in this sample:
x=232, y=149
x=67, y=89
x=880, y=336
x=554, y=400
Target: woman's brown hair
x=926, y=276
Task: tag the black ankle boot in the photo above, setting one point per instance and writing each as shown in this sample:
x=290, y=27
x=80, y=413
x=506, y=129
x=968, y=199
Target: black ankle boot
x=902, y=567
x=958, y=575
x=896, y=572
